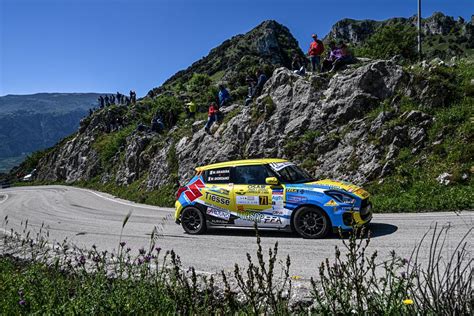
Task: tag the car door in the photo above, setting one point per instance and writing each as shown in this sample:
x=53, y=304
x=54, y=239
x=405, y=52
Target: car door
x=252, y=196
x=217, y=193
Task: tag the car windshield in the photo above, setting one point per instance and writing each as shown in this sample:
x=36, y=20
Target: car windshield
x=290, y=173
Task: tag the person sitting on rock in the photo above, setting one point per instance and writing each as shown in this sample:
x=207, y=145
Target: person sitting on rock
x=224, y=96
x=334, y=54
x=212, y=116
x=316, y=48
x=297, y=65
x=157, y=124
x=343, y=58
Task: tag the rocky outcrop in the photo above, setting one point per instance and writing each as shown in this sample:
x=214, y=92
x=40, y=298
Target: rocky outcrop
x=324, y=122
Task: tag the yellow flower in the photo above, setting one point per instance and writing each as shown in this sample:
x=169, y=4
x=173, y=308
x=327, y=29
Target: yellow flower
x=408, y=302
x=296, y=277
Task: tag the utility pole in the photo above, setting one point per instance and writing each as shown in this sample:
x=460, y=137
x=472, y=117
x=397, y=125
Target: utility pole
x=420, y=55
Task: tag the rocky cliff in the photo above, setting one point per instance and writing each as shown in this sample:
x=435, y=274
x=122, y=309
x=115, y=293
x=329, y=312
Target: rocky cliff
x=376, y=123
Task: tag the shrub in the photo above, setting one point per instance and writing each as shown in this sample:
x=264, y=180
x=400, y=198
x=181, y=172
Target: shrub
x=389, y=41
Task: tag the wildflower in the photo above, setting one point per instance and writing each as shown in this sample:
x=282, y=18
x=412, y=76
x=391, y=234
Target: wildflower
x=82, y=260
x=94, y=246
x=404, y=261
x=141, y=251
x=140, y=261
x=408, y=301
x=296, y=277
x=128, y=249
x=147, y=259
x=122, y=244
x=403, y=275
x=158, y=249
x=96, y=259
x=22, y=302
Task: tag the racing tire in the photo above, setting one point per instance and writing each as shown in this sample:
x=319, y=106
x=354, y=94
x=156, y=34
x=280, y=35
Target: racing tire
x=193, y=221
x=311, y=223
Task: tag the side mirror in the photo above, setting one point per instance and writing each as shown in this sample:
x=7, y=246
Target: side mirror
x=272, y=181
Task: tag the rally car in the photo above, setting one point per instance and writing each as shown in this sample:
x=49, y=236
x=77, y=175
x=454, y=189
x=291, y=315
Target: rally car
x=274, y=193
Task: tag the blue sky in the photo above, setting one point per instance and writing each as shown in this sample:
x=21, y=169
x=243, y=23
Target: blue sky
x=110, y=45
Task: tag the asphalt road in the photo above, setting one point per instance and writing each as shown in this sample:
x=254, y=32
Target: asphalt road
x=88, y=217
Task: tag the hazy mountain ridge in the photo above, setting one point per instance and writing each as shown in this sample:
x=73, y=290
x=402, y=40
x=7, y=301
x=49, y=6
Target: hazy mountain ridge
x=34, y=122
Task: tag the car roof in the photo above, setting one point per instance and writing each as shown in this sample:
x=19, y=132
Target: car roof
x=233, y=163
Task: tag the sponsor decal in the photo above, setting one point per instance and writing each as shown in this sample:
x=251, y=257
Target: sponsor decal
x=240, y=208
x=257, y=189
x=331, y=203
x=194, y=190
x=219, y=213
x=219, y=190
x=263, y=200
x=252, y=216
x=269, y=219
x=277, y=166
x=218, y=221
x=219, y=175
x=293, y=190
x=217, y=199
x=247, y=200
x=296, y=199
x=277, y=192
x=279, y=212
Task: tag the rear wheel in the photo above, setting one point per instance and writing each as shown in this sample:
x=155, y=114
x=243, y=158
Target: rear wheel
x=193, y=221
x=311, y=223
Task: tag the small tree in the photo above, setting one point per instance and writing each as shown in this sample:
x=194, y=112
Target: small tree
x=389, y=41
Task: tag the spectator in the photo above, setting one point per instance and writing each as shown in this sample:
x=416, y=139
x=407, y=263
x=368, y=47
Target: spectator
x=343, y=58
x=224, y=96
x=107, y=101
x=297, y=65
x=192, y=108
x=262, y=78
x=112, y=99
x=316, y=48
x=118, y=97
x=334, y=53
x=157, y=124
x=212, y=117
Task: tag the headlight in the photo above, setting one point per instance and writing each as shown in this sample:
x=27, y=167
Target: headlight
x=341, y=197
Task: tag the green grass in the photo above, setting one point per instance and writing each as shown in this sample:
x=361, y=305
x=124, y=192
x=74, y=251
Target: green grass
x=107, y=145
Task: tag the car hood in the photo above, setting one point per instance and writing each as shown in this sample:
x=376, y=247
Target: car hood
x=333, y=184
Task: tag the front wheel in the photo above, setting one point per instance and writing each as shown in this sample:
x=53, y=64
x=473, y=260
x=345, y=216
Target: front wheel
x=311, y=223
x=193, y=221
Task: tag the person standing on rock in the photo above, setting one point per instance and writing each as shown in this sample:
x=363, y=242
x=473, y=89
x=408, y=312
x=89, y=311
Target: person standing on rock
x=224, y=96
x=192, y=108
x=107, y=101
x=262, y=78
x=118, y=98
x=316, y=48
x=212, y=116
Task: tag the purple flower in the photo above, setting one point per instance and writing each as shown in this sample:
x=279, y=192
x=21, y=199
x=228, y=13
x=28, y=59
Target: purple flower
x=122, y=244
x=22, y=302
x=94, y=247
x=128, y=249
x=96, y=259
x=141, y=251
x=158, y=249
x=147, y=259
x=404, y=261
x=82, y=260
x=403, y=275
x=140, y=261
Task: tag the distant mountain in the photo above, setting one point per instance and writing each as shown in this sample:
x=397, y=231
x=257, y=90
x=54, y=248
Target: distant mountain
x=443, y=36
x=33, y=122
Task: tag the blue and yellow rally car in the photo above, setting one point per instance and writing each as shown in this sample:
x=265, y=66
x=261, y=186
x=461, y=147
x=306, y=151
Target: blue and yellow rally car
x=274, y=193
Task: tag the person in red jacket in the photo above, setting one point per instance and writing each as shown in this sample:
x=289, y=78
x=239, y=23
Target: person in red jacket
x=315, y=50
x=212, y=116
